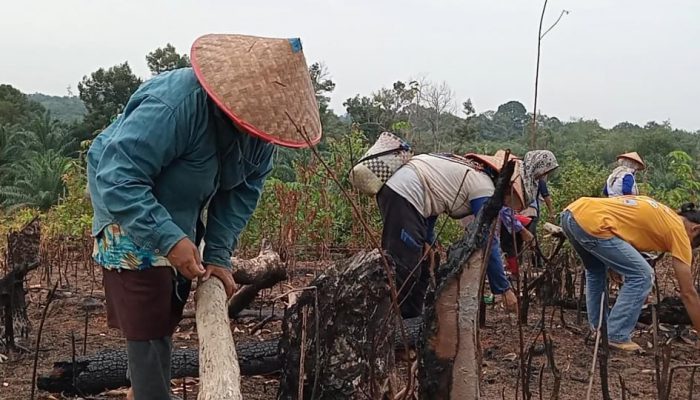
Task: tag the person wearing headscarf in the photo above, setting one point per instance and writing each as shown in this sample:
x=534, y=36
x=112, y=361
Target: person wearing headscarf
x=609, y=234
x=622, y=182
x=185, y=164
x=536, y=166
x=433, y=184
x=520, y=228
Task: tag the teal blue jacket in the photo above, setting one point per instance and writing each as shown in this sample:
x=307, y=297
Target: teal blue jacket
x=171, y=153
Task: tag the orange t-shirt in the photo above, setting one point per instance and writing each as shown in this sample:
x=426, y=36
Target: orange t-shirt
x=638, y=220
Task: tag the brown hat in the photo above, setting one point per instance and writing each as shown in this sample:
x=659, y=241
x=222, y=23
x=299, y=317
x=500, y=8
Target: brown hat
x=262, y=84
x=634, y=156
x=496, y=162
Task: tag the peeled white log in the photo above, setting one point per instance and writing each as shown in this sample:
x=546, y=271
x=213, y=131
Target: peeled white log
x=220, y=376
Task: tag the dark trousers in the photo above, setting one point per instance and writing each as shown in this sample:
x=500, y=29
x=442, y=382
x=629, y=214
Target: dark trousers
x=147, y=307
x=404, y=236
x=149, y=368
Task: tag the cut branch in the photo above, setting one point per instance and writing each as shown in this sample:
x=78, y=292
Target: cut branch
x=266, y=269
x=218, y=365
x=261, y=272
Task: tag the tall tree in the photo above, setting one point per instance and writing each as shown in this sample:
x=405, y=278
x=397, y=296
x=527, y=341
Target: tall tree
x=383, y=109
x=323, y=87
x=467, y=131
x=438, y=99
x=106, y=92
x=397, y=101
x=165, y=59
x=513, y=117
x=367, y=115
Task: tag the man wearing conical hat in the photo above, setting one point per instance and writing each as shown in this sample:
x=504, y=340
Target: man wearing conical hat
x=189, y=141
x=622, y=180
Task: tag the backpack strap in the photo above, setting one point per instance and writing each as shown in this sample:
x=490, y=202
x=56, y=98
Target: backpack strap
x=382, y=153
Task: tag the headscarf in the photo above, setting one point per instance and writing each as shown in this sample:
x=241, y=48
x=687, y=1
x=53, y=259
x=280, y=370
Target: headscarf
x=535, y=164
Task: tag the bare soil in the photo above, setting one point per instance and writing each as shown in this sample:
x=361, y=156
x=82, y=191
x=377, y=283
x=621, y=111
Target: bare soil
x=499, y=343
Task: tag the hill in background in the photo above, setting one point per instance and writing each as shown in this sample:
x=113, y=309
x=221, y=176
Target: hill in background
x=63, y=108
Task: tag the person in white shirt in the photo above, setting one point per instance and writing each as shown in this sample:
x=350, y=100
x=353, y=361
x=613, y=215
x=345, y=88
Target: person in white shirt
x=430, y=185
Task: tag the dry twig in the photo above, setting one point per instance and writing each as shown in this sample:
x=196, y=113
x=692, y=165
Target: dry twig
x=49, y=299
x=595, y=351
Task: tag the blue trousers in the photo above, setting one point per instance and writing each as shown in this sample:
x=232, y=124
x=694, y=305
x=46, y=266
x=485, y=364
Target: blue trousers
x=600, y=254
x=494, y=270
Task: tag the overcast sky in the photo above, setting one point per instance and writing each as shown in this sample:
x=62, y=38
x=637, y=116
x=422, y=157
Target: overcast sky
x=613, y=60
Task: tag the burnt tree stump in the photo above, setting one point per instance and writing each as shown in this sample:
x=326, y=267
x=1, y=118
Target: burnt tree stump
x=449, y=352
x=337, y=339
x=22, y=256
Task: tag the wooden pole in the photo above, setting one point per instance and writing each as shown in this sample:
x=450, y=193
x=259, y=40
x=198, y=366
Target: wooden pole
x=220, y=375
x=533, y=134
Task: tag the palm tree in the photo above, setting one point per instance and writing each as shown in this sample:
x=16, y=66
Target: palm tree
x=44, y=134
x=37, y=181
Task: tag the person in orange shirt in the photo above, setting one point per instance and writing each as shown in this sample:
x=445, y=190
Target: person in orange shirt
x=611, y=233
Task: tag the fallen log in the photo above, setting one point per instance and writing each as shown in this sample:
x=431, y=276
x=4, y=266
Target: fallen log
x=265, y=269
x=106, y=370
x=261, y=272
x=218, y=363
x=669, y=311
x=334, y=343
x=255, y=274
x=261, y=314
x=450, y=355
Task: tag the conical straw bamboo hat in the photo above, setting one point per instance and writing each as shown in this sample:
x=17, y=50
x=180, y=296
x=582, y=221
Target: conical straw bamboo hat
x=496, y=162
x=634, y=156
x=262, y=84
